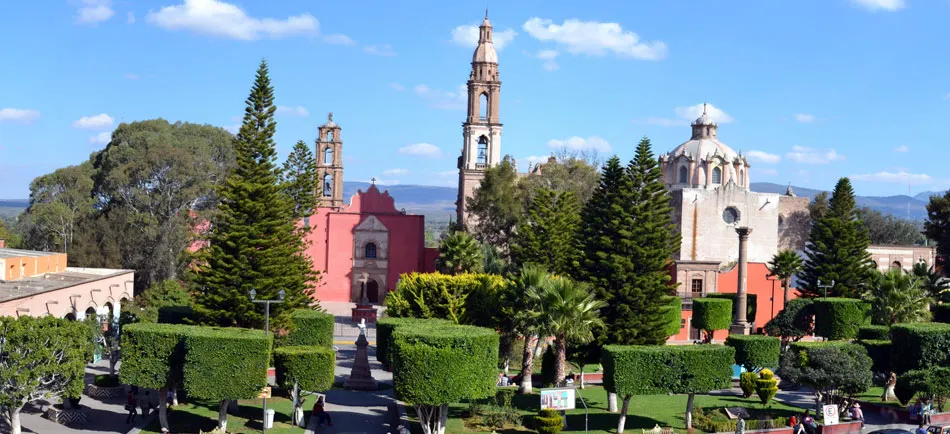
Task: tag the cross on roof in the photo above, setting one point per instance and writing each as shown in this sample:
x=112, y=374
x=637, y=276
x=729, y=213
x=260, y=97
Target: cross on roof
x=374, y=180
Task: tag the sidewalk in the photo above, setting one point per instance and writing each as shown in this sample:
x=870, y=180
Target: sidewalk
x=345, y=330
x=804, y=398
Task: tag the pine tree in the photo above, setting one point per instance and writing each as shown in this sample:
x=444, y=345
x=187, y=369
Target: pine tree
x=495, y=207
x=837, y=249
x=548, y=234
x=254, y=243
x=299, y=180
x=937, y=226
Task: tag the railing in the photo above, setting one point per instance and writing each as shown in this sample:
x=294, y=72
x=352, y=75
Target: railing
x=688, y=297
x=480, y=165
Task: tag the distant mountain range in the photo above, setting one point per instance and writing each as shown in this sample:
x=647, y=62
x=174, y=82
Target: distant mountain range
x=900, y=206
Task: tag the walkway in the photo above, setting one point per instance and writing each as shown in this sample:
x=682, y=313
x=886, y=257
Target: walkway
x=805, y=398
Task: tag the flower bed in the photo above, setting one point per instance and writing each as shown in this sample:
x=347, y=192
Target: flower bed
x=105, y=387
x=66, y=416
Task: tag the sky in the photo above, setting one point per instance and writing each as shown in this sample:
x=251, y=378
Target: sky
x=810, y=91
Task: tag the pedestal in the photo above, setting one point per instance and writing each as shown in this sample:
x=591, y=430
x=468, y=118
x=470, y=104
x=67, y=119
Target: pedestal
x=740, y=329
x=360, y=377
x=364, y=311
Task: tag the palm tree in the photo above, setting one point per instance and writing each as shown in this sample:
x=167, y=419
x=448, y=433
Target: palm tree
x=937, y=285
x=532, y=279
x=460, y=253
x=784, y=265
x=898, y=297
x=571, y=312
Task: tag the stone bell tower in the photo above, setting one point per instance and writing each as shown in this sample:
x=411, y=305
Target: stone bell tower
x=329, y=156
x=481, y=131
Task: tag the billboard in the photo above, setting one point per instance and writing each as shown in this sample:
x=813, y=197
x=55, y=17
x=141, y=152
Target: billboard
x=557, y=399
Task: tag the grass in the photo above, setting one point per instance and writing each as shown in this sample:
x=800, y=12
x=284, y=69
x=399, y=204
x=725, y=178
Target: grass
x=203, y=415
x=873, y=395
x=645, y=412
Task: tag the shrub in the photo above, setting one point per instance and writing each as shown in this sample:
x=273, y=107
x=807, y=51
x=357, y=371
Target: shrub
x=932, y=382
x=941, y=312
x=548, y=422
x=755, y=351
x=384, y=334
x=652, y=370
x=548, y=362
x=311, y=367
x=830, y=367
x=674, y=314
x=225, y=363
x=747, y=383
x=751, y=302
x=766, y=386
x=880, y=353
x=106, y=380
x=462, y=299
x=840, y=318
x=712, y=314
x=874, y=333
x=716, y=421
x=310, y=327
x=919, y=346
x=176, y=314
x=152, y=355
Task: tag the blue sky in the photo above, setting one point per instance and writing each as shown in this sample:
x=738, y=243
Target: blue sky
x=810, y=90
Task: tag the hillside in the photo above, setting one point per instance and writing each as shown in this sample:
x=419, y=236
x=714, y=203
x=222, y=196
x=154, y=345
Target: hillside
x=900, y=205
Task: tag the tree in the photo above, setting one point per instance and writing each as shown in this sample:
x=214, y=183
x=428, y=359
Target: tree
x=899, y=297
x=569, y=311
x=937, y=286
x=40, y=358
x=495, y=207
x=830, y=368
x=299, y=180
x=711, y=314
x=162, y=294
x=566, y=171
x=888, y=229
x=837, y=249
x=460, y=253
x=755, y=352
x=548, y=234
x=818, y=206
x=253, y=242
x=784, y=265
x=937, y=225
x=793, y=323
x=59, y=202
x=304, y=368
x=526, y=316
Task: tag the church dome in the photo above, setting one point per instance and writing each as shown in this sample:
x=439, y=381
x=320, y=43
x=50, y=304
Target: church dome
x=705, y=148
x=704, y=120
x=485, y=53
x=703, y=161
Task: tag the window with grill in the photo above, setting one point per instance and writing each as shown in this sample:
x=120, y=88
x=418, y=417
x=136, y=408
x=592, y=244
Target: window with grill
x=697, y=285
x=370, y=251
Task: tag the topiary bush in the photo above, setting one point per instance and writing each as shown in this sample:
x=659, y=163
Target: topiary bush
x=225, y=363
x=880, y=353
x=548, y=422
x=755, y=352
x=462, y=299
x=919, y=346
x=710, y=314
x=747, y=383
x=751, y=302
x=766, y=386
x=311, y=367
x=176, y=315
x=673, y=310
x=840, y=318
x=152, y=355
x=874, y=333
x=310, y=327
x=941, y=312
x=384, y=334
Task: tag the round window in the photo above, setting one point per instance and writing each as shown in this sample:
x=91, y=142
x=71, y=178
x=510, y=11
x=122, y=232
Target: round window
x=730, y=215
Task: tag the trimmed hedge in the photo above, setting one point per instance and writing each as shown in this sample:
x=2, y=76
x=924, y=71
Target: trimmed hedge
x=879, y=351
x=435, y=364
x=310, y=327
x=874, y=333
x=384, y=334
x=653, y=370
x=941, y=312
x=463, y=299
x=226, y=363
x=919, y=346
x=311, y=366
x=152, y=355
x=755, y=351
x=712, y=313
x=805, y=346
x=840, y=318
x=176, y=314
x=674, y=314
x=751, y=302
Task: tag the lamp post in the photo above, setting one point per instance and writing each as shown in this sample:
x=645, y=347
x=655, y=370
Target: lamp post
x=267, y=303
x=773, y=278
x=825, y=287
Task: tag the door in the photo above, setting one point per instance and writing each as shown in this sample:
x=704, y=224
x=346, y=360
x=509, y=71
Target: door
x=372, y=291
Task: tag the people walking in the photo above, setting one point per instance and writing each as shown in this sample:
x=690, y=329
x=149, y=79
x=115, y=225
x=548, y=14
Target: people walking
x=130, y=405
x=320, y=413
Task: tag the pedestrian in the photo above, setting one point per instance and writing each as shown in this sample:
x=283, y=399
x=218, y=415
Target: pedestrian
x=130, y=405
x=145, y=403
x=811, y=427
x=920, y=429
x=321, y=413
x=925, y=411
x=857, y=414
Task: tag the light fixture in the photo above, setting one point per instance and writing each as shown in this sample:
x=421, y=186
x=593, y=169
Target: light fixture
x=253, y=294
x=281, y=294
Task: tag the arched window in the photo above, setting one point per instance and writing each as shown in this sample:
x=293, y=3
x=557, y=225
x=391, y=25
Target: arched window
x=369, y=252
x=684, y=175
x=327, y=185
x=717, y=176
x=741, y=176
x=896, y=265
x=707, y=131
x=328, y=156
x=483, y=106
x=329, y=136
x=482, y=150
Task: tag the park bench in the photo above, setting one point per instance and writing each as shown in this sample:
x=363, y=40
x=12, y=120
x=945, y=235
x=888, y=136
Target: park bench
x=658, y=430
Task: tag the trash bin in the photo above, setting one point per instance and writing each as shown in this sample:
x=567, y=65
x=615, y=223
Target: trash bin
x=269, y=419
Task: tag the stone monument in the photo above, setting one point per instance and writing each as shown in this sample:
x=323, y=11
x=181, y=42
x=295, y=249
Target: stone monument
x=740, y=326
x=360, y=377
x=364, y=310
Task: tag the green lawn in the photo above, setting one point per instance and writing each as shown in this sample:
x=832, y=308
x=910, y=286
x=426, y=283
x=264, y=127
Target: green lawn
x=645, y=412
x=191, y=416
x=874, y=395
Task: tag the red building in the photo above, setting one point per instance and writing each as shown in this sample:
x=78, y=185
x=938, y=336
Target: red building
x=369, y=238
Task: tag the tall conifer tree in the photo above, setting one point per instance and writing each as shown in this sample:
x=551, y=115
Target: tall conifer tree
x=837, y=249
x=299, y=180
x=548, y=234
x=254, y=243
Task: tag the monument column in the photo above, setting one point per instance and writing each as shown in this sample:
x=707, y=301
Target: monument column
x=739, y=324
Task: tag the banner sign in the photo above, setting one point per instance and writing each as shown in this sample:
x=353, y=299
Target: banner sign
x=557, y=399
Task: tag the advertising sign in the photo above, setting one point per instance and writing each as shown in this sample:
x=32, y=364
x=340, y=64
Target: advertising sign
x=830, y=412
x=557, y=399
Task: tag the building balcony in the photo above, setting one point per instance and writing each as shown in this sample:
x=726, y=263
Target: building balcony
x=688, y=297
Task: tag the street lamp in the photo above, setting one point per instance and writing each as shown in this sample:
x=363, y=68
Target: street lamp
x=773, y=278
x=825, y=287
x=267, y=303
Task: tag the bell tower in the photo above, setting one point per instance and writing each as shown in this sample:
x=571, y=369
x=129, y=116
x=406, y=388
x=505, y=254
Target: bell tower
x=481, y=131
x=329, y=156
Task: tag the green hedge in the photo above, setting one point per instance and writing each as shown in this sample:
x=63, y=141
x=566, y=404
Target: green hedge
x=384, y=334
x=712, y=313
x=311, y=366
x=152, y=355
x=840, y=318
x=674, y=314
x=652, y=370
x=463, y=299
x=919, y=346
x=176, y=314
x=805, y=346
x=750, y=299
x=435, y=364
x=226, y=363
x=755, y=352
x=874, y=333
x=310, y=327
x=879, y=350
x=941, y=312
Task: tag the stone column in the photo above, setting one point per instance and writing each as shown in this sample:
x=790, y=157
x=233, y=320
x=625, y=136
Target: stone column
x=739, y=324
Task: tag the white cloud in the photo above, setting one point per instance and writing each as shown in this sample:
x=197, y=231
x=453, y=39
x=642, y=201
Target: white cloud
x=549, y=56
x=338, y=39
x=577, y=143
x=764, y=157
x=20, y=116
x=804, y=118
x=765, y=171
x=879, y=5
x=380, y=50
x=130, y=18
x=899, y=177
x=93, y=12
x=379, y=182
x=467, y=36
x=902, y=148
x=97, y=122
x=397, y=87
x=395, y=172
x=218, y=18
x=801, y=154
x=692, y=112
x=422, y=150
x=534, y=159
x=595, y=38
x=445, y=100
x=101, y=138
x=293, y=111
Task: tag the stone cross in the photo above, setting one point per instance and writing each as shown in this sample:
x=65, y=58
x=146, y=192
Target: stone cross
x=364, y=278
x=373, y=179
x=330, y=117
